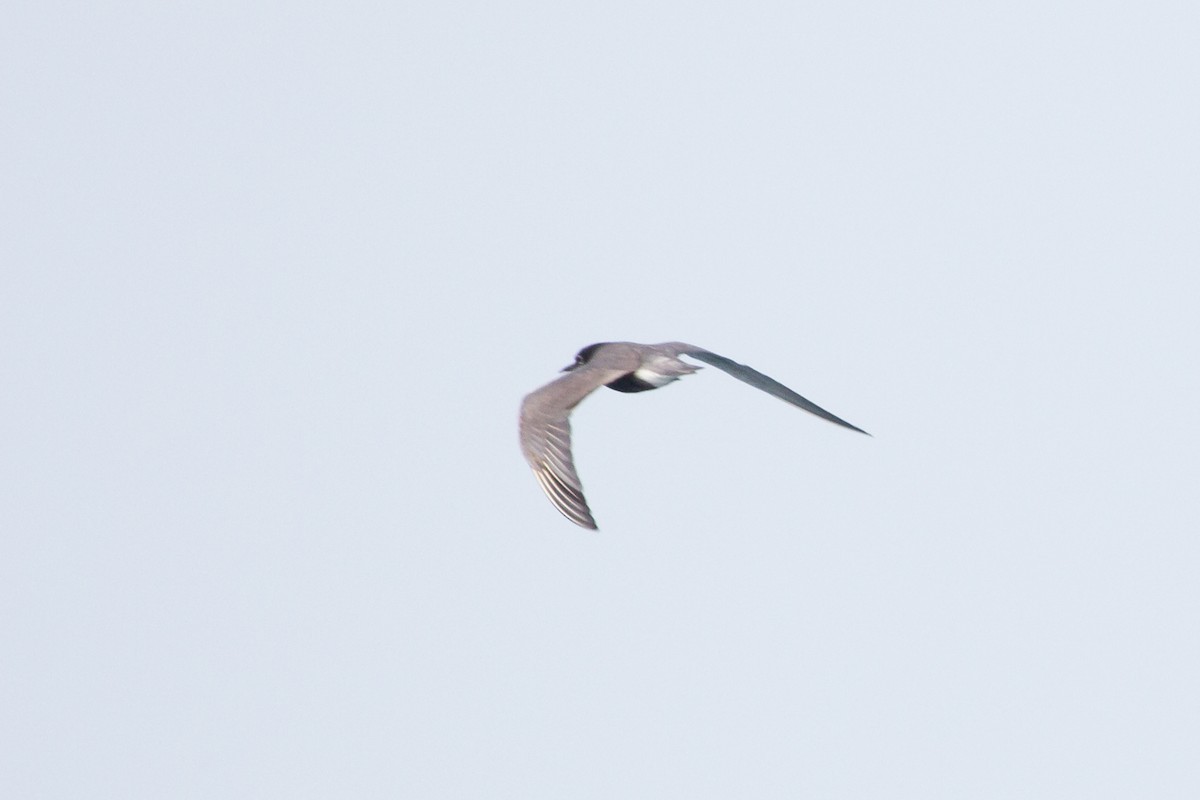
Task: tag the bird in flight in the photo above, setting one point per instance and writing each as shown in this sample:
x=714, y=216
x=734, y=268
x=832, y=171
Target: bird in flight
x=545, y=428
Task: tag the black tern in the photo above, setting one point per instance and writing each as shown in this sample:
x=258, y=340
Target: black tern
x=545, y=428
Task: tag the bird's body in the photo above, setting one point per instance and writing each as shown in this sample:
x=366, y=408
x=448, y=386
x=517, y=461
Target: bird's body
x=545, y=429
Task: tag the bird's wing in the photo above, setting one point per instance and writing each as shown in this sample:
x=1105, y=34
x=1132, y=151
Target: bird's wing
x=545, y=431
x=759, y=381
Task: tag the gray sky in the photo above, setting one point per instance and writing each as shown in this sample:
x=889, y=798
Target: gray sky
x=273, y=280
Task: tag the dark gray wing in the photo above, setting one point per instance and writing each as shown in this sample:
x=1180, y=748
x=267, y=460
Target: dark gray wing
x=767, y=384
x=547, y=446
x=545, y=432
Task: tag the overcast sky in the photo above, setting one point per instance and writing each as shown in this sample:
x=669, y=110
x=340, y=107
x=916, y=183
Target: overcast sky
x=274, y=278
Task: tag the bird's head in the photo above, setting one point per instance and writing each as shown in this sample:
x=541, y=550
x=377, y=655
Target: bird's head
x=584, y=356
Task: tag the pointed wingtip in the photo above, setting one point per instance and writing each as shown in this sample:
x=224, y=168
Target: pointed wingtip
x=825, y=415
